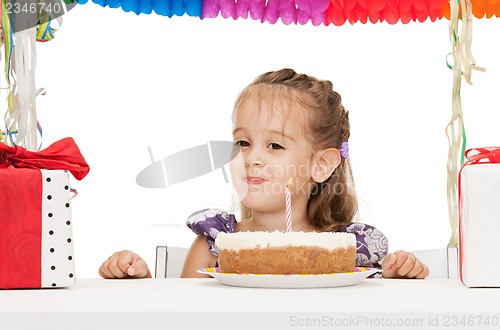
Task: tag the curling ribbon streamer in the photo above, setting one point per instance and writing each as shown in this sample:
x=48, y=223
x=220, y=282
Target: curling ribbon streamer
x=474, y=156
x=45, y=32
x=22, y=115
x=7, y=36
x=61, y=155
x=463, y=64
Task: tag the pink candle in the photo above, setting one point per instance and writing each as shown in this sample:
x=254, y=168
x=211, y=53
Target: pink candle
x=288, y=197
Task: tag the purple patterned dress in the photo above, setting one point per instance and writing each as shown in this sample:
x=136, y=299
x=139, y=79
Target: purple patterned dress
x=371, y=244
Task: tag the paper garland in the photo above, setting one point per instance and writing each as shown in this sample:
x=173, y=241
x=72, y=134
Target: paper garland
x=318, y=12
x=161, y=7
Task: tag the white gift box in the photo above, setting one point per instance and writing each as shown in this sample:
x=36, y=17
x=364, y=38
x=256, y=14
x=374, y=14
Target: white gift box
x=479, y=225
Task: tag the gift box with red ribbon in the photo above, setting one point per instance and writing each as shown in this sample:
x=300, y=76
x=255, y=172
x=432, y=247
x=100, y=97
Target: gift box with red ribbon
x=479, y=220
x=36, y=244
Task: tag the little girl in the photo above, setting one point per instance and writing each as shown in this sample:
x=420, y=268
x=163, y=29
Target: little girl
x=287, y=126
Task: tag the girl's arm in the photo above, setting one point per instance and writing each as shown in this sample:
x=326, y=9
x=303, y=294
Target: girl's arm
x=198, y=257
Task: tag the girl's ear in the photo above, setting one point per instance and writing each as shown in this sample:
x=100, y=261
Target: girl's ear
x=325, y=162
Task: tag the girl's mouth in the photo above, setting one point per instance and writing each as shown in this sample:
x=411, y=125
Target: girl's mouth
x=254, y=180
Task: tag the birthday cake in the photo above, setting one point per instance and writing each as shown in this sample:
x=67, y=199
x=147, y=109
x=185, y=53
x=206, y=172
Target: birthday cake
x=286, y=252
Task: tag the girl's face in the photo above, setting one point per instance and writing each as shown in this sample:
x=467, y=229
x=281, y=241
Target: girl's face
x=273, y=150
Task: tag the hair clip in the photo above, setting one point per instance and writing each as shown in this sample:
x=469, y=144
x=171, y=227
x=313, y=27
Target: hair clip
x=344, y=149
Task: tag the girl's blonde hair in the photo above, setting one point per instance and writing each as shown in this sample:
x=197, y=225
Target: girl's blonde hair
x=332, y=204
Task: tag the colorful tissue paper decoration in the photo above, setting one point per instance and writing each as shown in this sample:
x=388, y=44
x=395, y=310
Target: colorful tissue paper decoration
x=167, y=8
x=318, y=12
x=36, y=246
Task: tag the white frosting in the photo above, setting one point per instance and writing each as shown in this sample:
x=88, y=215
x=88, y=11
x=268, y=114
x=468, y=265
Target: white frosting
x=260, y=239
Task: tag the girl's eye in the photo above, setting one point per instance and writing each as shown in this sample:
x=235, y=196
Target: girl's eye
x=242, y=143
x=275, y=146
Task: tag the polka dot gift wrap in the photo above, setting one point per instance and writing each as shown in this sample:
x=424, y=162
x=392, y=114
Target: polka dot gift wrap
x=57, y=264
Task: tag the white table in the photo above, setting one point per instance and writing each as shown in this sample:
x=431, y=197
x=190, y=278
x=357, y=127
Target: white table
x=202, y=303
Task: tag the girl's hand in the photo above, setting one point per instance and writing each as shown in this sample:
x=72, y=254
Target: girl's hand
x=402, y=264
x=124, y=264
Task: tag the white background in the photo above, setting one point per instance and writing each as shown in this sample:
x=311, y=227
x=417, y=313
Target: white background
x=117, y=83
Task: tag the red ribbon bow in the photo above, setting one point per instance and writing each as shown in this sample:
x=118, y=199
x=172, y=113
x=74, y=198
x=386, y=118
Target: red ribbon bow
x=61, y=155
x=482, y=155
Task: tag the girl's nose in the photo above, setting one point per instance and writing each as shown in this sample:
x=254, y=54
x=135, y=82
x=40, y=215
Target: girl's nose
x=253, y=158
